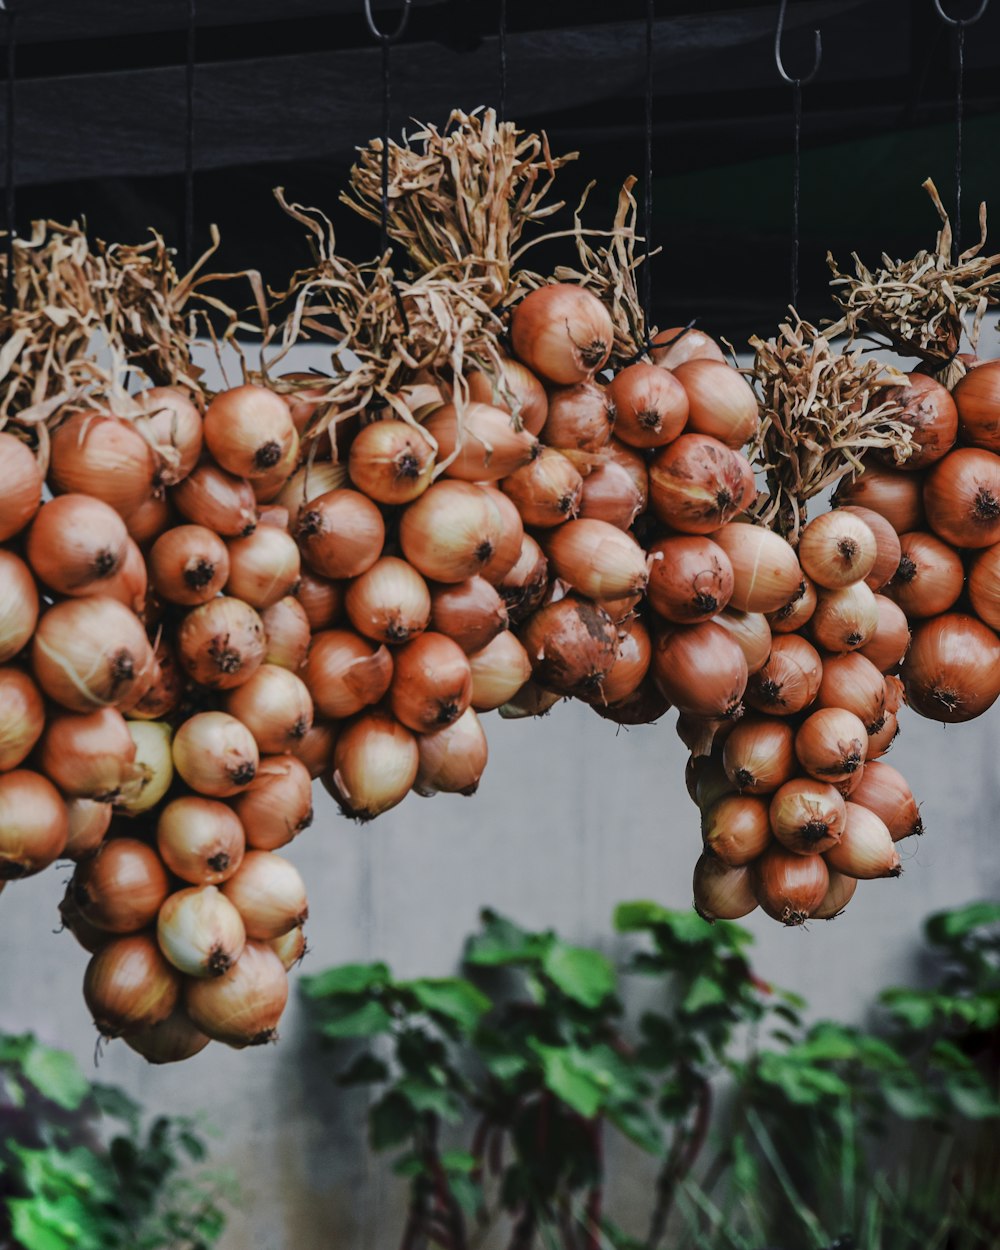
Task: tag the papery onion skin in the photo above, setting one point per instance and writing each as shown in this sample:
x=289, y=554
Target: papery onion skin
x=790, y=679
x=269, y=893
x=788, y=886
x=154, y=768
x=893, y=495
x=221, y=644
x=219, y=501
x=75, y=544
x=690, y=579
x=865, y=849
x=275, y=705
x=200, y=840
x=929, y=412
x=610, y=493
x=524, y=588
x=759, y=754
x=200, y=931
x=766, y=571
x=314, y=478
x=562, y=332
x=644, y=706
x=852, y=682
x=704, y=735
x=431, y=683
x=452, y=759
x=189, y=564
x=929, y=578
x=885, y=791
x=391, y=461
x=832, y=744
x=721, y=402
x=807, y=815
x=129, y=985
x=889, y=643
x=341, y=533
x=580, y=418
x=750, y=630
x=499, y=670
x=697, y=484
x=507, y=549
x=702, y=670
x=837, y=548
x=286, y=633
x=242, y=1007
x=88, y=823
x=22, y=717
x=122, y=886
x=597, y=559
x=721, y=892
x=481, y=444
x=89, y=756
x=651, y=405
x=977, y=399
x=471, y=613
x=673, y=346
x=34, y=824
x=315, y=751
x=90, y=653
x=530, y=700
x=163, y=695
x=880, y=742
x=174, y=425
x=450, y=532
x=20, y=485
x=152, y=517
x=886, y=542
x=278, y=806
x=101, y=456
x=845, y=619
x=263, y=567
x=839, y=893
x=375, y=763
x=215, y=754
x=632, y=662
x=248, y=430
x=736, y=829
x=345, y=673
x=390, y=602
x=572, y=646
x=984, y=586
x=962, y=498
x=322, y=600
x=547, y=491
x=796, y=612
x=18, y=605
x=515, y=389
x=952, y=670
x=171, y=1041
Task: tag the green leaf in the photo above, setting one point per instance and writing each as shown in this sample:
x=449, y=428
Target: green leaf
x=345, y=979
x=54, y=1073
x=368, y=1020
x=914, y=1007
x=432, y=1099
x=391, y=1121
x=910, y=1102
x=365, y=1070
x=640, y=915
x=451, y=998
x=639, y=1126
x=973, y=1100
x=458, y=1161
x=704, y=992
x=503, y=942
x=567, y=1079
x=584, y=975
x=39, y=1226
x=946, y=926
x=466, y=1193
x=115, y=1103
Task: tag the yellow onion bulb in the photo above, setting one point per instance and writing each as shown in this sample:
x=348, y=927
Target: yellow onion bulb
x=888, y=644
x=650, y=405
x=930, y=414
x=866, y=849
x=200, y=840
x=431, y=683
x=796, y=612
x=845, y=619
x=152, y=517
x=215, y=754
x=751, y=631
x=321, y=600
x=766, y=570
x=18, y=605
x=513, y=388
x=375, y=763
x=984, y=586
x=221, y=643
x=837, y=549
x=893, y=495
x=952, y=670
x=90, y=653
x=308, y=482
x=645, y=705
x=697, y=484
x=885, y=791
x=278, y=805
x=341, y=533
x=789, y=887
x=882, y=740
x=248, y=430
x=22, y=717
x=217, y=500
x=275, y=705
x=88, y=823
x=759, y=754
x=450, y=532
x=291, y=948
x=839, y=893
x=962, y=498
x=721, y=403
x=452, y=759
x=129, y=986
x=929, y=578
x=580, y=417
x=263, y=567
x=244, y=1005
x=735, y=829
x=632, y=662
x=597, y=559
x=887, y=548
x=671, y=347
x=163, y=694
x=153, y=764
x=102, y=456
x=131, y=583
x=34, y=824
x=21, y=481
x=315, y=751
x=122, y=886
x=345, y=673
x=75, y=544
x=171, y=1041
x=702, y=670
x=721, y=892
x=832, y=744
x=611, y=493
x=389, y=602
x=852, y=682
x=976, y=397
x=268, y=486
x=286, y=634
x=499, y=670
x=572, y=645
x=470, y=613
x=690, y=578
x=807, y=816
x=507, y=549
x=704, y=735
x=172, y=423
x=480, y=444
x=563, y=333
x=524, y=588
x=547, y=491
x=89, y=756
x=200, y=931
x=790, y=679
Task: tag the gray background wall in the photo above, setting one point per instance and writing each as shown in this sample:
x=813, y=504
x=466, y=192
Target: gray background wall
x=572, y=817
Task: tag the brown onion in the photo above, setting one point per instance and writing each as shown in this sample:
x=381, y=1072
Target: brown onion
x=735, y=828
x=20, y=485
x=515, y=389
x=704, y=735
x=706, y=780
x=580, y=418
x=952, y=670
x=200, y=931
x=121, y=886
x=845, y=619
x=88, y=823
x=189, y=564
x=882, y=740
x=217, y=500
x=831, y=744
x=508, y=547
x=790, y=679
x=390, y=602
x=451, y=532
x=680, y=343
x=150, y=519
x=796, y=612
x=572, y=646
x=18, y=605
x=291, y=948
x=90, y=653
x=286, y=633
x=345, y=674
x=453, y=758
x=562, y=332
x=375, y=763
x=789, y=887
x=523, y=589
x=888, y=644
x=887, y=549
x=34, y=824
x=242, y=1007
x=431, y=683
x=547, y=491
x=269, y=893
x=597, y=559
x=929, y=578
x=263, y=567
x=215, y=754
x=75, y=544
x=839, y=893
x=643, y=706
x=701, y=669
x=315, y=750
x=807, y=816
x=690, y=579
x=341, y=533
x=759, y=754
x=22, y=717
x=697, y=484
x=610, y=493
x=130, y=584
x=248, y=430
x=499, y=670
x=481, y=444
x=278, y=805
x=884, y=791
x=852, y=682
x=314, y=478
x=173, y=424
x=275, y=706
x=171, y=1041
x=321, y=599
x=221, y=643
x=751, y=631
x=766, y=572
x=721, y=401
x=893, y=495
x=865, y=849
x=391, y=461
x=129, y=986
x=962, y=498
x=930, y=414
x=721, y=892
x=650, y=404
x=632, y=662
x=837, y=549
x=984, y=585
x=88, y=757
x=471, y=613
x=977, y=398
x=163, y=694
x=200, y=840
x=103, y=457
x=270, y=485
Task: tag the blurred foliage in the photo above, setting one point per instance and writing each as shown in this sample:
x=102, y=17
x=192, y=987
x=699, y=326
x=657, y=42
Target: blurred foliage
x=497, y=1089
x=66, y=1183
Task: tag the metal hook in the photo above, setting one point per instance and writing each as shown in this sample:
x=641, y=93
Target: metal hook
x=380, y=35
x=961, y=22
x=818, y=55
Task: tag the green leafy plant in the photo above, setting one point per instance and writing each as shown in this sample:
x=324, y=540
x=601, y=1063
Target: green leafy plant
x=65, y=1186
x=497, y=1090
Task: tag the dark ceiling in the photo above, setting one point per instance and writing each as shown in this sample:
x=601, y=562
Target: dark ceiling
x=286, y=89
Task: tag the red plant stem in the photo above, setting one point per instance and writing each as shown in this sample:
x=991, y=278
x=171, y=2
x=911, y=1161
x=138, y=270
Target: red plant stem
x=685, y=1149
x=596, y=1195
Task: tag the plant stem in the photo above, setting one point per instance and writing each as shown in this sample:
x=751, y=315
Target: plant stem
x=592, y=1213
x=683, y=1153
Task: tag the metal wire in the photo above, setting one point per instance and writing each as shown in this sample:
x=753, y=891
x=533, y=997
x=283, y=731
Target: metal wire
x=187, y=238
x=502, y=40
x=386, y=39
x=10, y=181
x=647, y=213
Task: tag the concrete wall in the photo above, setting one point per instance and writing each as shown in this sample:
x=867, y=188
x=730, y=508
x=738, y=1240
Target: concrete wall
x=572, y=816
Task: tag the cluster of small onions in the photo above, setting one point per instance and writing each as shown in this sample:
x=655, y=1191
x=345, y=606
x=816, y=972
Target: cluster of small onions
x=149, y=706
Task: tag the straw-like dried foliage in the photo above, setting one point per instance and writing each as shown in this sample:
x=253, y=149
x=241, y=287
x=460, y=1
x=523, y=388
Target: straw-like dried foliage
x=922, y=306
x=821, y=412
x=461, y=197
